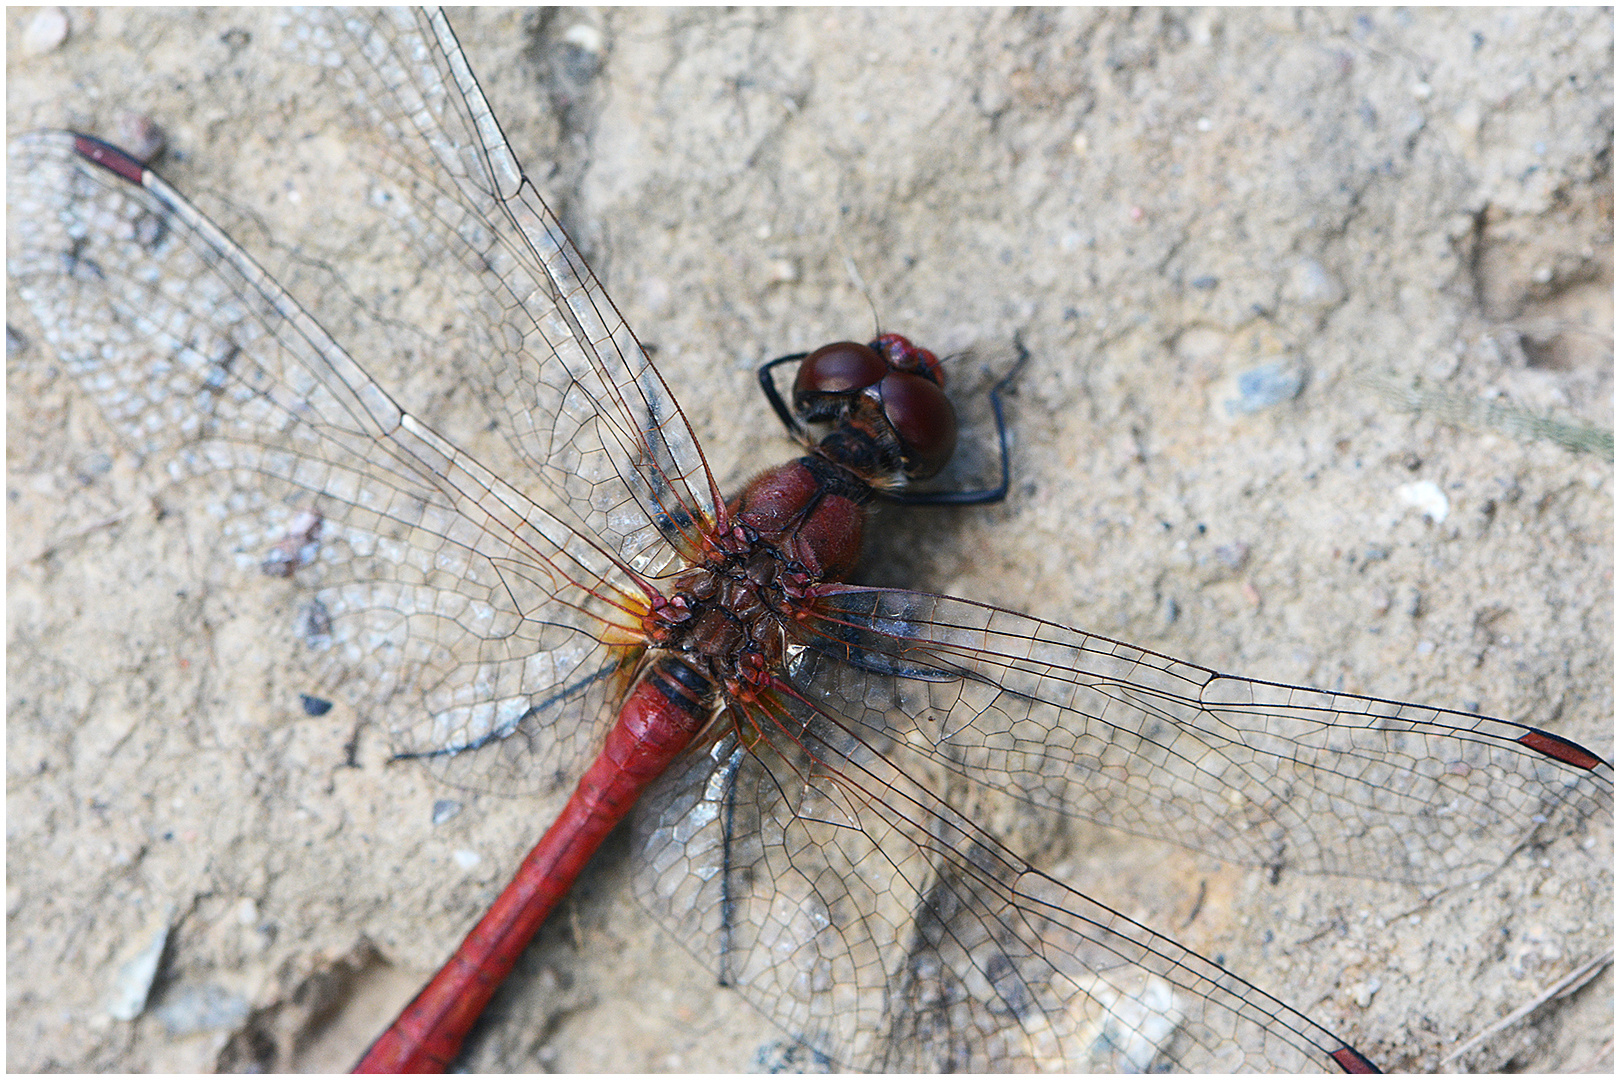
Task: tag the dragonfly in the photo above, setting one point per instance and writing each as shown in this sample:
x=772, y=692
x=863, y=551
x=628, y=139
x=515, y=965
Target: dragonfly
x=809, y=831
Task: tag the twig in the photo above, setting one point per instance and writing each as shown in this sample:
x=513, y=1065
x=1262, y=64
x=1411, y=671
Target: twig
x=79, y=534
x=1562, y=988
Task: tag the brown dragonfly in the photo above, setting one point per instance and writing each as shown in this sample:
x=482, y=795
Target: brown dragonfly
x=496, y=626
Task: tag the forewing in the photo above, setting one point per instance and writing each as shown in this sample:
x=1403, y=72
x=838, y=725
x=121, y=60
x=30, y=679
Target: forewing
x=452, y=607
x=1256, y=773
x=581, y=402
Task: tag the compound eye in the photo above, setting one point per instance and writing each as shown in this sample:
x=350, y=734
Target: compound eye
x=923, y=418
x=832, y=375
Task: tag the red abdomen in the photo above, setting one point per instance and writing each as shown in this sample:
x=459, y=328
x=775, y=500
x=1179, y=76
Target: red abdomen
x=658, y=721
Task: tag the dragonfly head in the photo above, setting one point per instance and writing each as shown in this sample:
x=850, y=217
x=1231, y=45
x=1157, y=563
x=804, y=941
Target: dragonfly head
x=891, y=390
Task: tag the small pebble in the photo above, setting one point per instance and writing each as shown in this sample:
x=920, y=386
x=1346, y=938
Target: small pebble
x=782, y=272
x=1363, y=992
x=314, y=706
x=133, y=982
x=193, y=1009
x=1425, y=496
x=585, y=37
x=139, y=136
x=46, y=31
x=1260, y=387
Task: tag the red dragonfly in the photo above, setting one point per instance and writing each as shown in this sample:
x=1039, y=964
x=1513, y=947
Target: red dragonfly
x=805, y=753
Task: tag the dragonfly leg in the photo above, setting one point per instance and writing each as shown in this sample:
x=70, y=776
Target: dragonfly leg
x=767, y=382
x=982, y=495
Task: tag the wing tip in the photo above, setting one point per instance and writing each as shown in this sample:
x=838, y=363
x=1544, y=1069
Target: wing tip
x=1560, y=749
x=1352, y=1060
x=109, y=157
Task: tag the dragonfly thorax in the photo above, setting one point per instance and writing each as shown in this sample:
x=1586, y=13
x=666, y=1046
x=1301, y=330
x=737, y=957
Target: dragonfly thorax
x=809, y=513
x=733, y=614
x=793, y=527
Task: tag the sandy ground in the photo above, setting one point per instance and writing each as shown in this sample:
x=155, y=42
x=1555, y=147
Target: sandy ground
x=1157, y=203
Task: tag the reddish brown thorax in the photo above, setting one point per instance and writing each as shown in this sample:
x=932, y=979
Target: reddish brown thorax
x=814, y=526
x=802, y=523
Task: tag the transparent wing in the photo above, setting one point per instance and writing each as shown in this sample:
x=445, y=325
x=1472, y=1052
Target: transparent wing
x=1255, y=773
x=581, y=403
x=869, y=918
x=822, y=858
x=452, y=606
